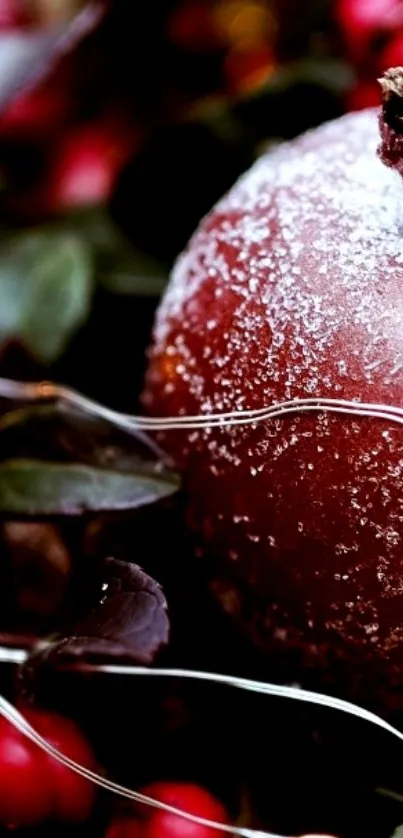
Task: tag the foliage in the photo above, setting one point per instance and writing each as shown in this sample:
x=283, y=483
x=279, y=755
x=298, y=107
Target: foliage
x=120, y=125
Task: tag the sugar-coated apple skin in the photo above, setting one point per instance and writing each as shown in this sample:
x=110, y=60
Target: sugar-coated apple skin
x=293, y=287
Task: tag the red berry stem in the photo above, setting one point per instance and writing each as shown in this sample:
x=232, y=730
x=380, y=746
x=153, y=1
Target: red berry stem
x=390, y=149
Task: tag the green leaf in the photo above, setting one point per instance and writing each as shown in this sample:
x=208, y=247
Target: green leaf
x=34, y=487
x=45, y=290
x=398, y=833
x=58, y=432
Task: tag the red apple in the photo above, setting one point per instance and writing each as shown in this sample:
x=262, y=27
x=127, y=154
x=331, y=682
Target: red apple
x=292, y=287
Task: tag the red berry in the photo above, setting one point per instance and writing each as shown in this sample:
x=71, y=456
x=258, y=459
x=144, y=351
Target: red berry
x=366, y=16
x=73, y=795
x=293, y=288
x=362, y=20
x=190, y=798
x=25, y=783
x=34, y=786
x=86, y=164
x=32, y=115
x=191, y=26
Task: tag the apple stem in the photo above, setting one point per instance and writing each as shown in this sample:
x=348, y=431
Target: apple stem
x=390, y=149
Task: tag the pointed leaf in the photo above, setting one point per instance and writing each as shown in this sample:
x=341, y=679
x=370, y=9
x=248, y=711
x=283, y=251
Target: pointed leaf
x=60, y=433
x=128, y=623
x=33, y=487
x=45, y=290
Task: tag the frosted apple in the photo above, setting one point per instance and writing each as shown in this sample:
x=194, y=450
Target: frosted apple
x=292, y=287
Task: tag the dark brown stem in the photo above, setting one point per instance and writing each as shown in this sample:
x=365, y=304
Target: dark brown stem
x=390, y=149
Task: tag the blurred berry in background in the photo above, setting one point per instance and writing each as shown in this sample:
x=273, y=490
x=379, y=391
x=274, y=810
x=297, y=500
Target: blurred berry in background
x=122, y=123
x=241, y=73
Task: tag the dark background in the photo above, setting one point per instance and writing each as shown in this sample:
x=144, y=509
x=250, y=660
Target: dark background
x=148, y=120
x=109, y=156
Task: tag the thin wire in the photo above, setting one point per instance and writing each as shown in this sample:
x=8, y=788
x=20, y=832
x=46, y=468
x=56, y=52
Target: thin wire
x=265, y=688
x=45, y=391
x=19, y=722
x=280, y=691
x=19, y=656
x=48, y=391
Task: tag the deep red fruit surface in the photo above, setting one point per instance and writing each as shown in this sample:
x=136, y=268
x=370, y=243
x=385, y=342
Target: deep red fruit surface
x=190, y=798
x=72, y=795
x=293, y=287
x=25, y=786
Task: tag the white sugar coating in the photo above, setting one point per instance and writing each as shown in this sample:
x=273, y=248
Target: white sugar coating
x=292, y=199
x=293, y=287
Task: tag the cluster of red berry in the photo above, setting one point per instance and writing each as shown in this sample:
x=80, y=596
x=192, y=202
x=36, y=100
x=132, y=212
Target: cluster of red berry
x=34, y=787
x=83, y=157
x=156, y=823
x=372, y=32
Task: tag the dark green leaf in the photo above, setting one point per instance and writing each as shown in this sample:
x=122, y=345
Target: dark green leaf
x=60, y=433
x=45, y=290
x=33, y=487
